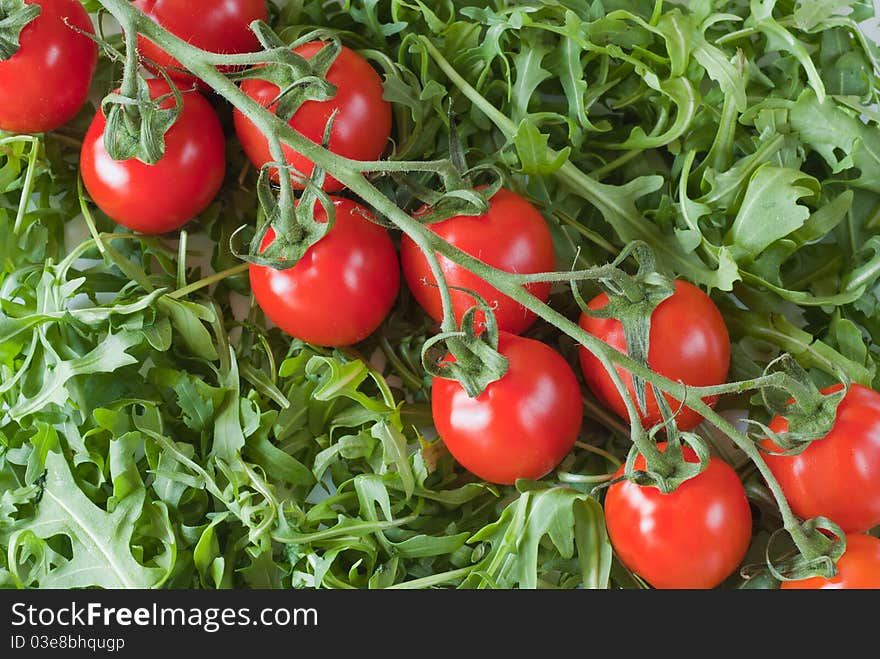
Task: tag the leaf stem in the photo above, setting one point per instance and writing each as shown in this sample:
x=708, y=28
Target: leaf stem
x=451, y=576
x=613, y=459
x=28, y=185
x=87, y=216
x=208, y=281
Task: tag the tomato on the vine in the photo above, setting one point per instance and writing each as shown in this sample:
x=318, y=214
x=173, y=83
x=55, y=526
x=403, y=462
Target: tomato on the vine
x=688, y=343
x=522, y=425
x=342, y=288
x=45, y=83
x=858, y=568
x=837, y=476
x=512, y=236
x=361, y=127
x=693, y=537
x=162, y=197
x=218, y=26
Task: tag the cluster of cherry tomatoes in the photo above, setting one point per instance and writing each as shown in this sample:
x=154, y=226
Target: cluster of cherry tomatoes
x=523, y=424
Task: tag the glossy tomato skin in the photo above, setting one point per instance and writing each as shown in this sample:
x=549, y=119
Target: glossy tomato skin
x=158, y=198
x=694, y=537
x=343, y=287
x=837, y=476
x=859, y=567
x=360, y=130
x=218, y=26
x=512, y=236
x=47, y=81
x=688, y=343
x=522, y=425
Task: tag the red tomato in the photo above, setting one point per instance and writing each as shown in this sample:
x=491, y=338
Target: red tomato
x=837, y=476
x=688, y=343
x=47, y=81
x=342, y=288
x=165, y=196
x=859, y=567
x=218, y=26
x=360, y=130
x=512, y=236
x=694, y=537
x=522, y=425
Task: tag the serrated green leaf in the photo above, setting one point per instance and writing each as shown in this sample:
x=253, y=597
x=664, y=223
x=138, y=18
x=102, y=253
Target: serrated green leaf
x=102, y=553
x=106, y=358
x=534, y=153
x=186, y=318
x=811, y=13
x=770, y=209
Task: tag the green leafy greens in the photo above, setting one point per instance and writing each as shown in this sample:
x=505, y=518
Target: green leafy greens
x=155, y=433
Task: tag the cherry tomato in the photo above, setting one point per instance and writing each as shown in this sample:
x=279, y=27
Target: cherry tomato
x=218, y=26
x=165, y=196
x=694, y=537
x=360, y=130
x=837, y=476
x=688, y=343
x=47, y=81
x=522, y=425
x=342, y=288
x=859, y=567
x=511, y=236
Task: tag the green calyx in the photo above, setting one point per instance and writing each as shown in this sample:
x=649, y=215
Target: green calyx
x=15, y=15
x=294, y=223
x=137, y=123
x=809, y=412
x=824, y=543
x=299, y=79
x=632, y=300
x=296, y=229
x=462, y=190
x=476, y=361
x=667, y=469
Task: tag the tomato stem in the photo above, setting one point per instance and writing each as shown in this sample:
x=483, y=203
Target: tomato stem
x=129, y=86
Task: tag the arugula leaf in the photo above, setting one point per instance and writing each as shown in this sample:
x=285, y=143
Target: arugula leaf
x=812, y=13
x=770, y=210
x=572, y=521
x=100, y=541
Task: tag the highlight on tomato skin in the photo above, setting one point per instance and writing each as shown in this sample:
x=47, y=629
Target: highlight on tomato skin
x=343, y=287
x=512, y=236
x=156, y=199
x=688, y=343
x=361, y=128
x=692, y=538
x=858, y=568
x=522, y=425
x=218, y=26
x=45, y=84
x=821, y=481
